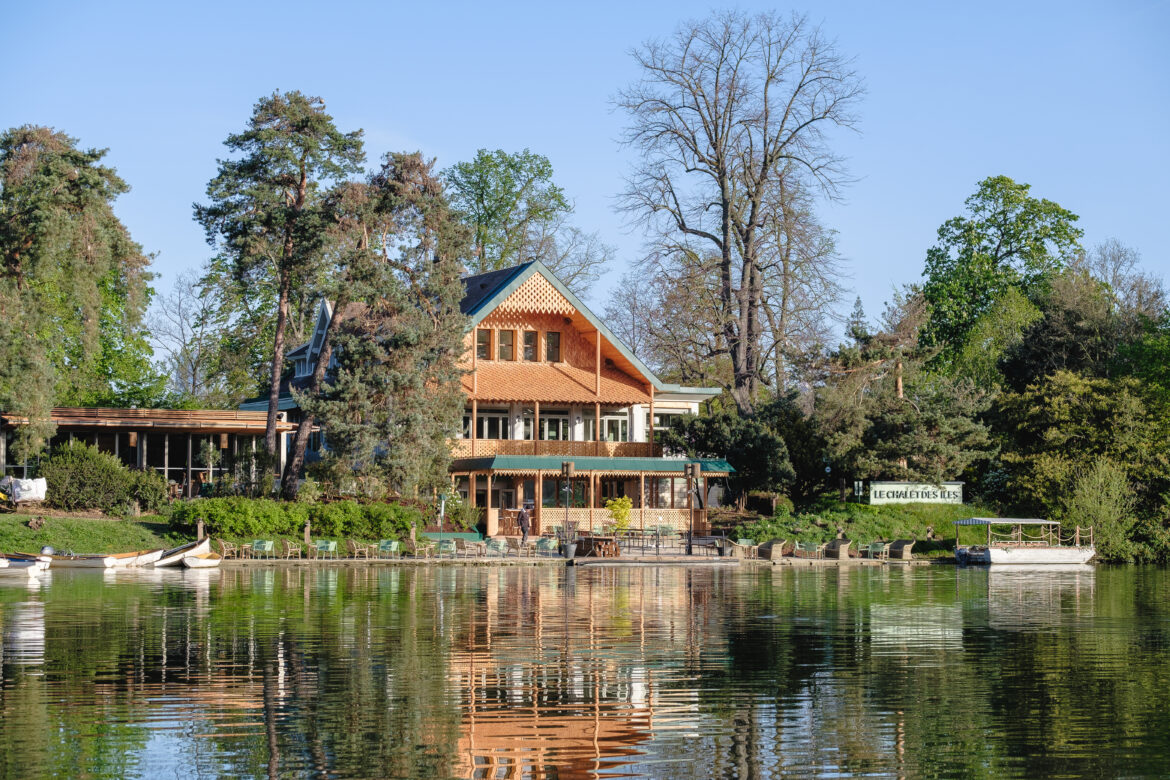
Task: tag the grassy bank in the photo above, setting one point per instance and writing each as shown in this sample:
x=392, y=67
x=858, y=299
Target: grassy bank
x=83, y=534
x=864, y=523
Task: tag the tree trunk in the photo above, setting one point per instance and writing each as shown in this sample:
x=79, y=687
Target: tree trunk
x=292, y=469
x=270, y=438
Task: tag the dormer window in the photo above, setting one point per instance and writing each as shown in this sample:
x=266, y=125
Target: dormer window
x=483, y=344
x=507, y=344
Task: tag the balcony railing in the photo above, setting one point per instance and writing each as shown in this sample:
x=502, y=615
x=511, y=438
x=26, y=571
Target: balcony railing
x=462, y=448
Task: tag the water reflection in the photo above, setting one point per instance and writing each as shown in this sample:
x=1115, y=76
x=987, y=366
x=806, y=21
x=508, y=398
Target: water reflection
x=553, y=673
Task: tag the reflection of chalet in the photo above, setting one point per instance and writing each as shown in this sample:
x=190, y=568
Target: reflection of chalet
x=547, y=382
x=171, y=442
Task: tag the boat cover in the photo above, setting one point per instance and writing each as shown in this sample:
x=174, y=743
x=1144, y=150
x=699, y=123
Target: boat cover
x=25, y=489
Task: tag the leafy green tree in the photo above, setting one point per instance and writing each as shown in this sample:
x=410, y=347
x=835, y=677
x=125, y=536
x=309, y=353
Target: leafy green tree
x=505, y=198
x=1007, y=239
x=757, y=453
x=394, y=398
x=1078, y=330
x=1064, y=423
x=265, y=217
x=992, y=335
x=1101, y=497
x=805, y=442
x=883, y=415
x=73, y=287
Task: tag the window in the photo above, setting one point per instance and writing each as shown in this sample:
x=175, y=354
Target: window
x=507, y=344
x=530, y=341
x=483, y=344
x=493, y=425
x=465, y=430
x=615, y=428
x=552, y=347
x=554, y=428
x=588, y=429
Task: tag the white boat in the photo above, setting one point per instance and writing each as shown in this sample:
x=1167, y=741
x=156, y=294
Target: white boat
x=1026, y=541
x=202, y=561
x=175, y=556
x=23, y=565
x=111, y=561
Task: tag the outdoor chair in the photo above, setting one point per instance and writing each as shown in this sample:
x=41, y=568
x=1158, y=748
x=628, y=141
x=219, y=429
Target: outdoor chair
x=838, y=548
x=469, y=549
x=548, y=546
x=878, y=550
x=808, y=550
x=358, y=550
x=776, y=549
x=521, y=550
x=289, y=549
x=323, y=549
x=445, y=547
x=420, y=549
x=900, y=549
x=227, y=549
x=749, y=547
x=389, y=548
x=262, y=548
x=497, y=546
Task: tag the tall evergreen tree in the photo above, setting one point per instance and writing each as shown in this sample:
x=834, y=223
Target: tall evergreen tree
x=393, y=398
x=73, y=286
x=265, y=216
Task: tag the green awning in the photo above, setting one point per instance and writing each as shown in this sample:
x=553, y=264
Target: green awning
x=553, y=463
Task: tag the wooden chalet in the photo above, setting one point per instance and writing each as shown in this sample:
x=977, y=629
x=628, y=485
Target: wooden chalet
x=168, y=441
x=548, y=382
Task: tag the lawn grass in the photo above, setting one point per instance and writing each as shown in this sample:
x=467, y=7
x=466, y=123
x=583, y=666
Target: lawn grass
x=86, y=534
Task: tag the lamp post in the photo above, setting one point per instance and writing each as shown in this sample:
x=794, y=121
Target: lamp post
x=442, y=514
x=568, y=471
x=693, y=472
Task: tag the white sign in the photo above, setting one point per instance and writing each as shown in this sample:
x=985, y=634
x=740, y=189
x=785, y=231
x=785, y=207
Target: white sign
x=915, y=493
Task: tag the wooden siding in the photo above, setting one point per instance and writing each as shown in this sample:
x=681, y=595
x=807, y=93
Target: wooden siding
x=461, y=448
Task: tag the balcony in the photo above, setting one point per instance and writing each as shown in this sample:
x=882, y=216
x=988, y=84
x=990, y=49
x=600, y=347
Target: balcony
x=462, y=448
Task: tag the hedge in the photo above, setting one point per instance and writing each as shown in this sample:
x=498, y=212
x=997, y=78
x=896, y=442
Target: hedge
x=243, y=518
x=82, y=477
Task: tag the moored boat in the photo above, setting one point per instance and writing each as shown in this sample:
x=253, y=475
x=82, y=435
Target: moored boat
x=202, y=561
x=1026, y=541
x=23, y=565
x=110, y=561
x=175, y=556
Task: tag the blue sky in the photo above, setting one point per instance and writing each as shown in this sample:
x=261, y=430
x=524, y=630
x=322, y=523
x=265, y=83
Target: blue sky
x=1073, y=98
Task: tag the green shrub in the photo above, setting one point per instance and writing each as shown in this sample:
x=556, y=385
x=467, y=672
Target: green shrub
x=81, y=477
x=244, y=518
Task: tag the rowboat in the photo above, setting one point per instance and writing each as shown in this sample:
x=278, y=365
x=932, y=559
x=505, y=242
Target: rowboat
x=111, y=561
x=1024, y=542
x=175, y=556
x=202, y=561
x=23, y=565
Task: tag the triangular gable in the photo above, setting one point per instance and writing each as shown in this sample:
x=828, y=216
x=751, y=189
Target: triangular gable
x=530, y=287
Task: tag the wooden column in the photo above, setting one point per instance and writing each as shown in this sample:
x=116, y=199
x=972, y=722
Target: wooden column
x=650, y=432
x=474, y=423
x=597, y=365
x=471, y=487
x=189, y=458
x=493, y=523
x=642, y=495
x=536, y=428
x=537, y=504
x=592, y=501
x=597, y=428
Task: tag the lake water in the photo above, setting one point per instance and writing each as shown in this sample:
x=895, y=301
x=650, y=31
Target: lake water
x=549, y=672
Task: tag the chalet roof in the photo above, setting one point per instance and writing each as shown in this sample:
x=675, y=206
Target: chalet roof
x=552, y=383
x=481, y=300
x=534, y=463
x=195, y=421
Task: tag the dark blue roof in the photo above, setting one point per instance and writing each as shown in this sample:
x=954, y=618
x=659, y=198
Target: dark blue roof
x=480, y=287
